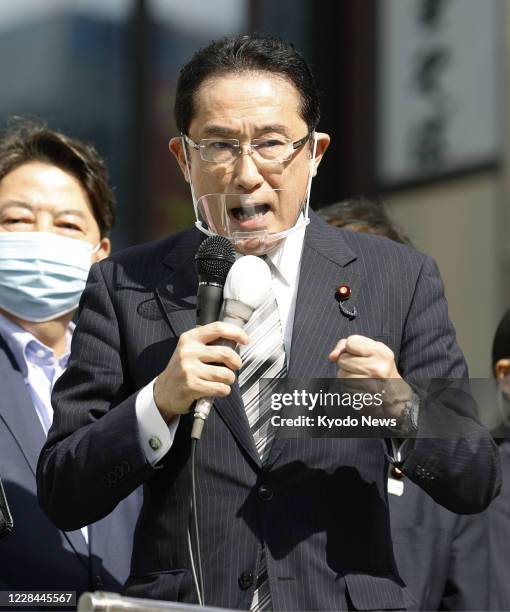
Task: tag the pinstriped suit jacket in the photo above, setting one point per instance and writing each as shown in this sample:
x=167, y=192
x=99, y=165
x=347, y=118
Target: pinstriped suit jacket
x=325, y=522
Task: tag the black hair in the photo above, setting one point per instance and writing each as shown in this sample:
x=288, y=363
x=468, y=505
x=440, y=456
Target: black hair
x=501, y=342
x=30, y=140
x=246, y=53
x=363, y=215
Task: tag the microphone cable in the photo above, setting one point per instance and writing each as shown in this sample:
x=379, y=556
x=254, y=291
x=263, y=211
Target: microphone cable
x=196, y=569
x=214, y=258
x=248, y=282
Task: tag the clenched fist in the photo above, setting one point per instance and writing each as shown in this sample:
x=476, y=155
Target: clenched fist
x=358, y=357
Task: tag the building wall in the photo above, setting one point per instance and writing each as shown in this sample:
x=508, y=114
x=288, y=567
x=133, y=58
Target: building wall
x=457, y=224
x=465, y=225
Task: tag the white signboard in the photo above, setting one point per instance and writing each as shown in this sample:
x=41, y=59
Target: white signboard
x=438, y=87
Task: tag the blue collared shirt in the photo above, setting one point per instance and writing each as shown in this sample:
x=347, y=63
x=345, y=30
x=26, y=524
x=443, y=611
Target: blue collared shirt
x=40, y=369
x=38, y=364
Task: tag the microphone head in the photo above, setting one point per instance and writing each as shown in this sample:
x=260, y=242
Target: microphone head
x=249, y=281
x=214, y=258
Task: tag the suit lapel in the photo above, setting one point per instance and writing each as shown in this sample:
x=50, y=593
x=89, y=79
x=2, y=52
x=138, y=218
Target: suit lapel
x=318, y=320
x=326, y=263
x=19, y=415
x=231, y=410
x=177, y=294
x=17, y=410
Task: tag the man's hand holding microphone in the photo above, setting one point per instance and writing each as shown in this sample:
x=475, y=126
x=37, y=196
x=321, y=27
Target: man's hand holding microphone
x=204, y=362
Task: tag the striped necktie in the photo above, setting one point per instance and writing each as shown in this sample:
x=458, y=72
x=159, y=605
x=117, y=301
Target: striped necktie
x=264, y=357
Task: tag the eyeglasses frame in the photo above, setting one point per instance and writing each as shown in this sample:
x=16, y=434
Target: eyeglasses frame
x=295, y=146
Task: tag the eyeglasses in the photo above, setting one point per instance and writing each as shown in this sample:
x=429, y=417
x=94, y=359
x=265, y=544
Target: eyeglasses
x=227, y=150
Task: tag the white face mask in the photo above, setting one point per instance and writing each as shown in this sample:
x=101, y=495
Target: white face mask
x=213, y=218
x=42, y=275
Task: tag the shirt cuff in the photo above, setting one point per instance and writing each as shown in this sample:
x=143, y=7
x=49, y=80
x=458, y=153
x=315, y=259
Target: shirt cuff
x=156, y=437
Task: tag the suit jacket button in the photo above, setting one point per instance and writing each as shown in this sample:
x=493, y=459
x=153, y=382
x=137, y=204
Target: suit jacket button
x=245, y=580
x=265, y=493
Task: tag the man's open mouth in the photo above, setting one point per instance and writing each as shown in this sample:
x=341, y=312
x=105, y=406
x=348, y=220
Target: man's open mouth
x=250, y=212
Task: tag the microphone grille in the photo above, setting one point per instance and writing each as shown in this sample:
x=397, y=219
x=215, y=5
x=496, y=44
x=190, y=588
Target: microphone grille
x=215, y=257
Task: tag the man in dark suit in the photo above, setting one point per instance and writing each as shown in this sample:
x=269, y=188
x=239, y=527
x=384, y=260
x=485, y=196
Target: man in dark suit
x=443, y=557
x=306, y=525
x=55, y=207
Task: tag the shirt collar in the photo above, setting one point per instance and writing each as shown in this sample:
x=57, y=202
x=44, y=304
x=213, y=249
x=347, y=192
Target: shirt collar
x=286, y=258
x=24, y=345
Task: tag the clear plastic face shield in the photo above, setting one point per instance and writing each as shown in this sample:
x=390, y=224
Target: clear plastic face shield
x=249, y=219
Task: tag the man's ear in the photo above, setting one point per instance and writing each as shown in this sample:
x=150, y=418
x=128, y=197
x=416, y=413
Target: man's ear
x=176, y=147
x=502, y=368
x=104, y=250
x=323, y=141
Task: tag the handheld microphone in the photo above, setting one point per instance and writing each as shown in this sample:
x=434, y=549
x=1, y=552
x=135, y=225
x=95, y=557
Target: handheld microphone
x=213, y=260
x=246, y=288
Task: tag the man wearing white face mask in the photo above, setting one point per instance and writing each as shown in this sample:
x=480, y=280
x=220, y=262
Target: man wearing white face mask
x=284, y=524
x=56, y=210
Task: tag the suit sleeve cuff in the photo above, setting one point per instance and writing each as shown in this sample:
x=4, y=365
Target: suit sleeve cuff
x=156, y=437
